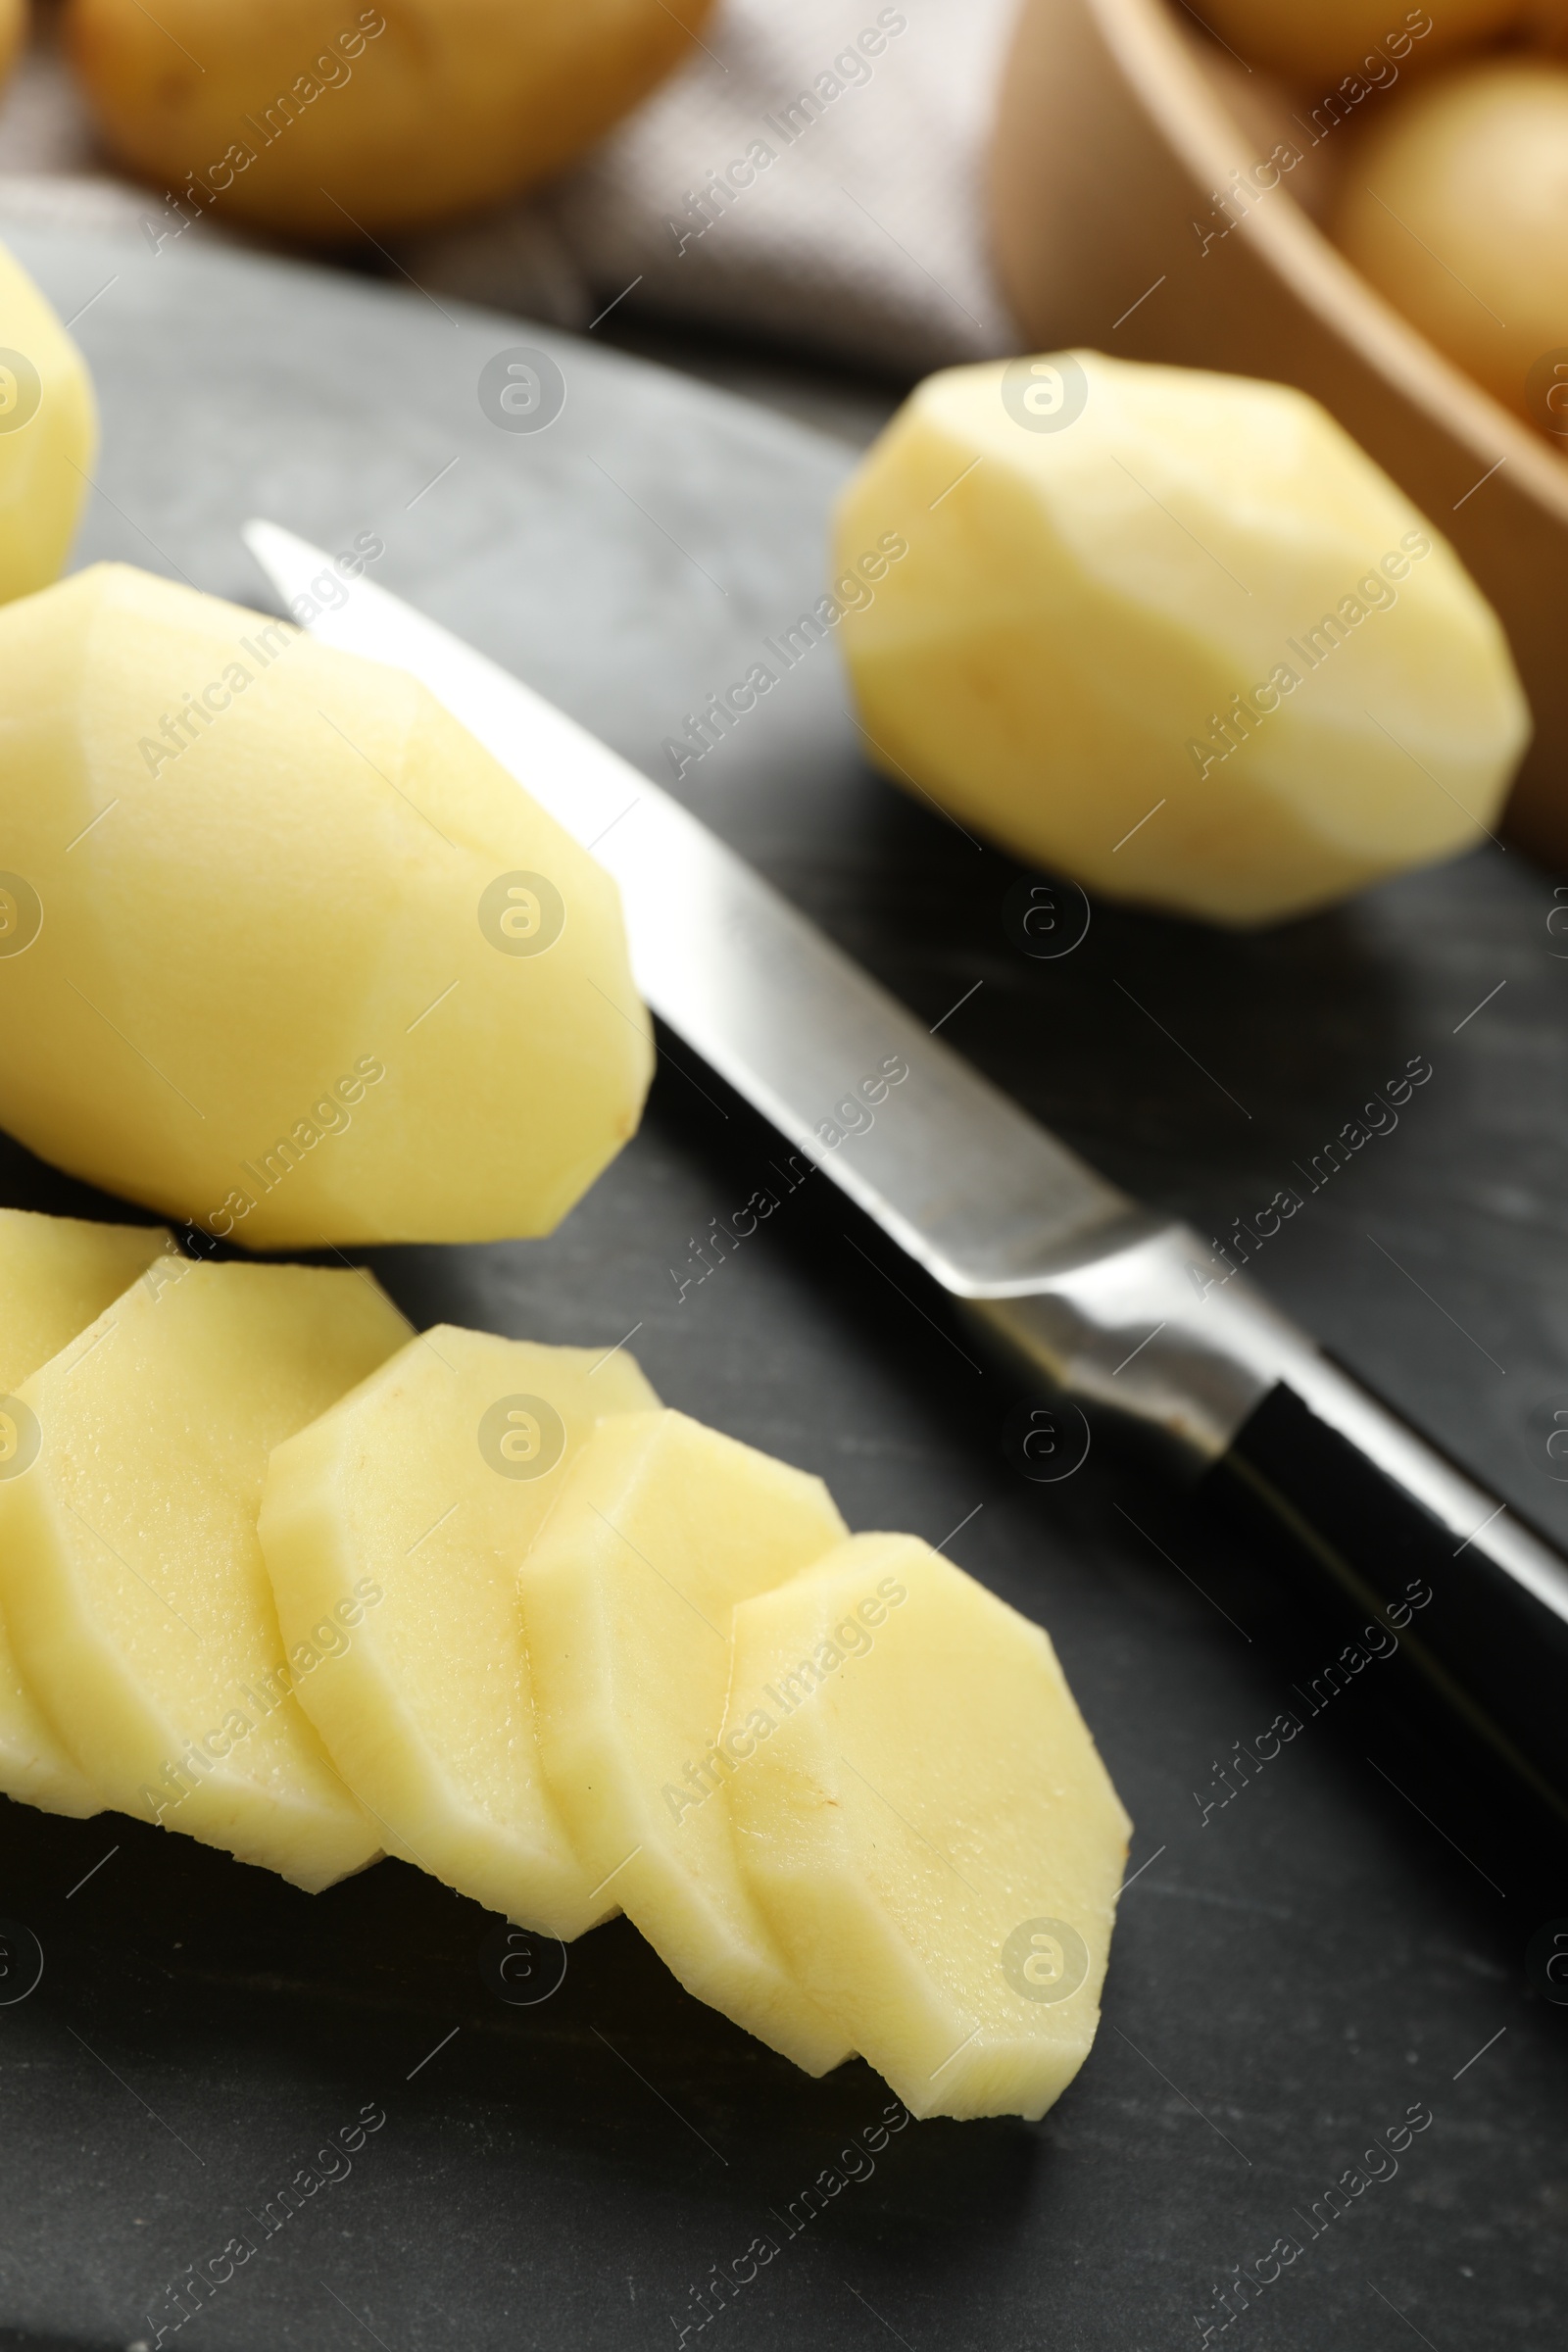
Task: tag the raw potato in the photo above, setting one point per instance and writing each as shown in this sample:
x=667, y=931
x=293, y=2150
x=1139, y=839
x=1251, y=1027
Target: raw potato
x=627, y=1596
x=57, y=1275
x=13, y=32
x=1169, y=633
x=133, y=1577
x=48, y=439
x=1318, y=41
x=1456, y=209
x=430, y=1479
x=319, y=970
x=927, y=1826
x=320, y=117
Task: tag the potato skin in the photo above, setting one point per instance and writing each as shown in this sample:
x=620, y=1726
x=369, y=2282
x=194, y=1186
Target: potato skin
x=1317, y=40
x=320, y=117
x=13, y=32
x=1457, y=211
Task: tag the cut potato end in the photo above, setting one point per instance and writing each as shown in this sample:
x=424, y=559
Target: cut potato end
x=1173, y=634
x=926, y=1825
x=393, y=1530
x=57, y=1275
x=627, y=1598
x=133, y=1579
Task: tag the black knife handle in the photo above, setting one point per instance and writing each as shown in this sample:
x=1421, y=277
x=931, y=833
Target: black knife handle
x=1484, y=1614
x=1235, y=1397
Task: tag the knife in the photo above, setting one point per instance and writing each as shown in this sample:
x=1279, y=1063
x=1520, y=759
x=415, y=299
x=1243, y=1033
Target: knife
x=1108, y=1304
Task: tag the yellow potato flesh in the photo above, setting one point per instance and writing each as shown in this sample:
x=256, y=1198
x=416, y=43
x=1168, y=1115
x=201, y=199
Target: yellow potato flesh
x=48, y=437
x=429, y=1483
x=57, y=1275
x=1332, y=37
x=627, y=1597
x=133, y=1577
x=927, y=1825
x=261, y=891
x=1457, y=210
x=1184, y=642
x=321, y=117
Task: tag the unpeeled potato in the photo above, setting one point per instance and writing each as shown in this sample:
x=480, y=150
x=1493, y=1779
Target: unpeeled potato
x=1455, y=206
x=1318, y=41
x=321, y=117
x=13, y=32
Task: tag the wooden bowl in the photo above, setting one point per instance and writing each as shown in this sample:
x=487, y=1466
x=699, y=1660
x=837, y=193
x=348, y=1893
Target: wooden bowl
x=1113, y=142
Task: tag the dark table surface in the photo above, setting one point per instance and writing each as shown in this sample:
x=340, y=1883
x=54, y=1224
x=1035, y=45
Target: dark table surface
x=1343, y=1939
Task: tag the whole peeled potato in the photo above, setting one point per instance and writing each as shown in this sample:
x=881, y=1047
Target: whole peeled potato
x=320, y=117
x=282, y=950
x=1170, y=634
x=48, y=434
x=1455, y=206
x=1317, y=40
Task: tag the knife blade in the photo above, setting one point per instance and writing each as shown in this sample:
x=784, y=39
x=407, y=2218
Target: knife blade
x=1103, y=1300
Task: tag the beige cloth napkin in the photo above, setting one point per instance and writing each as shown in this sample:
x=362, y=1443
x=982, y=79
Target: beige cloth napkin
x=814, y=176
x=835, y=153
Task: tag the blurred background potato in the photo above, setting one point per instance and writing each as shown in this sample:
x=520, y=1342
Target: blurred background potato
x=1312, y=40
x=1456, y=209
x=317, y=117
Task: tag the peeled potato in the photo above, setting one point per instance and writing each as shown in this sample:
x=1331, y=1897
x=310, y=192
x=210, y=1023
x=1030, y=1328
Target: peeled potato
x=1171, y=634
x=431, y=1480
x=1455, y=206
x=48, y=434
x=131, y=1574
x=289, y=954
x=321, y=119
x=626, y=1599
x=1318, y=41
x=57, y=1275
x=924, y=1818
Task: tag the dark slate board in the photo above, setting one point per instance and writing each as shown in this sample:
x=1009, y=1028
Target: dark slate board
x=1291, y=1974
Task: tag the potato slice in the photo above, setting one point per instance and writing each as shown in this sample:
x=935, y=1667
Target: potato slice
x=430, y=1481
x=922, y=1817
x=627, y=1595
x=1171, y=634
x=48, y=435
x=441, y=1036
x=57, y=1274
x=133, y=1576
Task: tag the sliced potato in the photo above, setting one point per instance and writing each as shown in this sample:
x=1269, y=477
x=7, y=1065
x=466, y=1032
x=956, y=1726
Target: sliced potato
x=627, y=1597
x=430, y=1482
x=48, y=433
x=57, y=1275
x=1169, y=633
x=132, y=1578
x=923, y=1819
x=214, y=820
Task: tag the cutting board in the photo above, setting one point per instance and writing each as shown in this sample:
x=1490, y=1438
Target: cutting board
x=1301, y=1961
